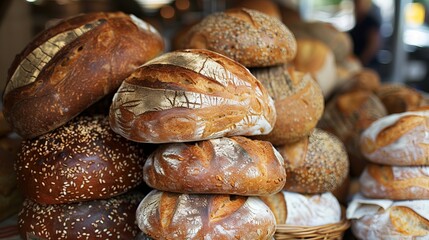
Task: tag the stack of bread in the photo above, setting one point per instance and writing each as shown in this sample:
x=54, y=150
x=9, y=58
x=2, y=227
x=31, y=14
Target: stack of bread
x=394, y=194
x=74, y=171
x=315, y=161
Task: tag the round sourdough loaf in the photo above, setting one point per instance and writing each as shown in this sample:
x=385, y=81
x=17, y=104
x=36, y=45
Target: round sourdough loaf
x=395, y=182
x=73, y=64
x=316, y=164
x=398, y=98
x=250, y=37
x=164, y=215
x=235, y=165
x=191, y=95
x=113, y=218
x=82, y=160
x=398, y=139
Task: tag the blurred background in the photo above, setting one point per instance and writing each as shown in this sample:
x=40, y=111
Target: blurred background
x=402, y=53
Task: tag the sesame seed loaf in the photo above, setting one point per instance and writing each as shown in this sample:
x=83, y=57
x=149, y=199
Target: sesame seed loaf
x=191, y=95
x=164, y=215
x=316, y=164
x=250, y=37
x=235, y=165
x=112, y=218
x=298, y=100
x=82, y=160
x=73, y=64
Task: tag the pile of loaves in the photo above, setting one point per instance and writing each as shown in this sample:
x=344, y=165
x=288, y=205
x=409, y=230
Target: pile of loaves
x=229, y=152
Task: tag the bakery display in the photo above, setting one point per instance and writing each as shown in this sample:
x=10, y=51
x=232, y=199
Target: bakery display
x=82, y=160
x=191, y=95
x=298, y=101
x=73, y=64
x=235, y=165
x=163, y=215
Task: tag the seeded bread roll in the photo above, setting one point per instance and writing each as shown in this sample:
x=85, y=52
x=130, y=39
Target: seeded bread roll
x=82, y=160
x=250, y=37
x=73, y=64
x=191, y=95
x=113, y=218
x=398, y=139
x=163, y=215
x=235, y=165
x=316, y=164
x=298, y=100
x=395, y=182
x=399, y=98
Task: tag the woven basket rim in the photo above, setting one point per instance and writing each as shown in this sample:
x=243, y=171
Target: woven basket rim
x=326, y=231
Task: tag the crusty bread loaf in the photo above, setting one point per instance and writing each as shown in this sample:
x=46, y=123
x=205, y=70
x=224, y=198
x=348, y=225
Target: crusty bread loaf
x=398, y=139
x=395, y=182
x=366, y=79
x=347, y=68
x=191, y=95
x=298, y=100
x=268, y=7
x=347, y=115
x=250, y=37
x=71, y=65
x=316, y=58
x=316, y=164
x=398, y=98
x=82, y=160
x=235, y=165
x=113, y=218
x=163, y=215
x=304, y=210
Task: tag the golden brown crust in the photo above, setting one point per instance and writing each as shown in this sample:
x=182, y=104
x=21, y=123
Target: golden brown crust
x=235, y=165
x=399, y=98
x=82, y=160
x=366, y=79
x=72, y=65
x=316, y=164
x=113, y=218
x=298, y=100
x=268, y=7
x=277, y=203
x=250, y=37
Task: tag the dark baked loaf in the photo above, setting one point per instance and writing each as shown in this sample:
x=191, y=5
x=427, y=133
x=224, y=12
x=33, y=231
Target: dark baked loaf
x=235, y=165
x=250, y=37
x=191, y=95
x=113, y=218
x=73, y=64
x=163, y=215
x=82, y=160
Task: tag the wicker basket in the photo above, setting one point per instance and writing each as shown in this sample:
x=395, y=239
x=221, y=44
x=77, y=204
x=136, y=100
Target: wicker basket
x=328, y=231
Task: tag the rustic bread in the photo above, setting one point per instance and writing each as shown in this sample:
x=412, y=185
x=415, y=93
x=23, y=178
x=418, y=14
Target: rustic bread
x=268, y=7
x=298, y=100
x=366, y=79
x=235, y=165
x=73, y=64
x=398, y=98
x=191, y=95
x=250, y=37
x=164, y=215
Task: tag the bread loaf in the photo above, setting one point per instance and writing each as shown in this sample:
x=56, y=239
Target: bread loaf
x=395, y=182
x=316, y=164
x=163, y=215
x=399, y=98
x=82, y=160
x=365, y=79
x=268, y=7
x=398, y=139
x=113, y=218
x=235, y=165
x=250, y=37
x=304, y=210
x=191, y=95
x=298, y=101
x=73, y=64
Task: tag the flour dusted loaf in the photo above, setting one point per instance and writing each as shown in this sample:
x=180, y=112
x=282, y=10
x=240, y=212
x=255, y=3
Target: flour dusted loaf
x=398, y=139
x=298, y=100
x=316, y=164
x=191, y=95
x=82, y=160
x=164, y=215
x=250, y=37
x=112, y=218
x=304, y=210
x=395, y=182
x=235, y=165
x=73, y=64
